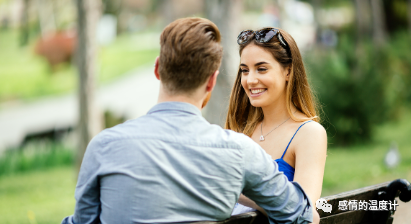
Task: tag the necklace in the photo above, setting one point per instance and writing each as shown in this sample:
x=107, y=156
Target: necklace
x=262, y=137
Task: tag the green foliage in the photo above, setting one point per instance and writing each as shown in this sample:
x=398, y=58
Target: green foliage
x=357, y=166
x=24, y=75
x=35, y=156
x=360, y=86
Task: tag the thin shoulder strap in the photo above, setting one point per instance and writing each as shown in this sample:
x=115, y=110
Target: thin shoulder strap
x=293, y=137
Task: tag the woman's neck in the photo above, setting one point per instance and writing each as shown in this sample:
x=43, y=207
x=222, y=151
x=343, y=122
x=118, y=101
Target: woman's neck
x=276, y=113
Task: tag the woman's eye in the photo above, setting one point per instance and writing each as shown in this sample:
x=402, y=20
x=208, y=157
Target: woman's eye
x=261, y=69
x=244, y=70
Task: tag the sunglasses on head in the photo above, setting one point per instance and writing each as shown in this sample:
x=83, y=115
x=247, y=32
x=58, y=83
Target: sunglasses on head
x=262, y=36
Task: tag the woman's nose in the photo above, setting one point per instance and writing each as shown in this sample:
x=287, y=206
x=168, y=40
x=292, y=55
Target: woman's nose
x=251, y=80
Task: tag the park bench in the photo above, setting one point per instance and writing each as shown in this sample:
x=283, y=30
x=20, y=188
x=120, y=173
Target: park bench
x=388, y=191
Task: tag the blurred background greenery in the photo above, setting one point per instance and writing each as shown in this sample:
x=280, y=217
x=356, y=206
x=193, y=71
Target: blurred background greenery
x=358, y=60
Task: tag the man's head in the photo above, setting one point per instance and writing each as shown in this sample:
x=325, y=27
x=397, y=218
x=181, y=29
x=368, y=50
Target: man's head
x=190, y=54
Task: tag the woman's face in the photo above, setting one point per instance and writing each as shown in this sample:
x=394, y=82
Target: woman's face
x=262, y=77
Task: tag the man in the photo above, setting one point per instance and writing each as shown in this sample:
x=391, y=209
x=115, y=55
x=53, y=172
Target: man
x=171, y=165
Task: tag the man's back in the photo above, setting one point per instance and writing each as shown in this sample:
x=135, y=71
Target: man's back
x=168, y=166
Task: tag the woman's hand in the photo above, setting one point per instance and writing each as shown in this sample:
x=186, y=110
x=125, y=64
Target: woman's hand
x=250, y=203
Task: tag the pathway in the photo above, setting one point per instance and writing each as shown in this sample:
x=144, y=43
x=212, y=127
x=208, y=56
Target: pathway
x=130, y=96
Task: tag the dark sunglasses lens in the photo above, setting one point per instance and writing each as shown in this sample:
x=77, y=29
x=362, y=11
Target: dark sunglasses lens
x=266, y=35
x=244, y=36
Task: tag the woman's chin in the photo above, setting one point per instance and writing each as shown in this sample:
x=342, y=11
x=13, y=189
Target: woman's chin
x=257, y=103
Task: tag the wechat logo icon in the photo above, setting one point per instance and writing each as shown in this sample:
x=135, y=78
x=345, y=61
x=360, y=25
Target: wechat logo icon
x=323, y=205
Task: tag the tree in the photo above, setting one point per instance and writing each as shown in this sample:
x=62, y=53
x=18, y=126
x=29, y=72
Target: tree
x=24, y=23
x=168, y=11
x=90, y=122
x=225, y=14
x=378, y=19
x=363, y=20
x=409, y=16
x=316, y=8
x=46, y=16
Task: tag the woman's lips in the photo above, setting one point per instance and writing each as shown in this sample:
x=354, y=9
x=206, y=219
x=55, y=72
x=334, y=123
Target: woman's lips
x=257, y=94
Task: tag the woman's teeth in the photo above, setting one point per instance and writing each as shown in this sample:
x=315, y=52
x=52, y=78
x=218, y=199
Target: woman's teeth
x=255, y=91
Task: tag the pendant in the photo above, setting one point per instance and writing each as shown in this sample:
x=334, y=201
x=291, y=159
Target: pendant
x=261, y=138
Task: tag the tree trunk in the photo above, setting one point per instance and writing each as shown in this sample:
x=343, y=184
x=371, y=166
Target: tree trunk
x=409, y=16
x=316, y=7
x=24, y=24
x=363, y=20
x=378, y=18
x=90, y=122
x=168, y=11
x=46, y=16
x=225, y=14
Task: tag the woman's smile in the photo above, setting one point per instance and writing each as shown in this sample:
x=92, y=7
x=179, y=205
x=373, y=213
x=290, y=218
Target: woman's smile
x=256, y=92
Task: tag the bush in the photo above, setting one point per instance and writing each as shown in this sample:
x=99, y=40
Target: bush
x=36, y=156
x=360, y=87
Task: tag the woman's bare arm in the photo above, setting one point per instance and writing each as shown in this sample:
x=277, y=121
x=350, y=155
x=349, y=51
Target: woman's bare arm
x=310, y=155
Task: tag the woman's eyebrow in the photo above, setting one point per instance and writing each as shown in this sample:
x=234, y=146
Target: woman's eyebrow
x=257, y=64
x=261, y=63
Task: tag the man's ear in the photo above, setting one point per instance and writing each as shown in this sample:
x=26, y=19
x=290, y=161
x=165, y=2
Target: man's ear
x=212, y=81
x=156, y=69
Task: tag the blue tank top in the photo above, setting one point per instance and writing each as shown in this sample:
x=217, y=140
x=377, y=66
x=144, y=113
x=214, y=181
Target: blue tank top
x=283, y=166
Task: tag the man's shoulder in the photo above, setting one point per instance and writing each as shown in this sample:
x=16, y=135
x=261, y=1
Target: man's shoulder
x=248, y=145
x=242, y=140
x=143, y=127
x=129, y=126
x=113, y=133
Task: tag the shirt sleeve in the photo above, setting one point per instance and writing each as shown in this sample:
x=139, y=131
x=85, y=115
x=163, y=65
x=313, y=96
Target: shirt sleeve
x=87, y=194
x=284, y=201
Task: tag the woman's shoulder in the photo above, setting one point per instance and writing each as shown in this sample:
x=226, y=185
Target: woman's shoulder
x=309, y=126
x=311, y=135
x=313, y=127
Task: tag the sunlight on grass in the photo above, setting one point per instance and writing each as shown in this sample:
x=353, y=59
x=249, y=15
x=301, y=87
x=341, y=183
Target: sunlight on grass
x=24, y=75
x=47, y=196
x=349, y=168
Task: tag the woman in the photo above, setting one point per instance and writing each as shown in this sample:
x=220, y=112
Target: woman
x=272, y=103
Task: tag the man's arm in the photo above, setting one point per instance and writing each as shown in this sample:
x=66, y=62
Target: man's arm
x=284, y=201
x=87, y=193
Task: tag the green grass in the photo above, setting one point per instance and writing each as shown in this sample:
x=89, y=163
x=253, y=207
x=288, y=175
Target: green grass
x=24, y=75
x=45, y=196
x=349, y=168
x=36, y=156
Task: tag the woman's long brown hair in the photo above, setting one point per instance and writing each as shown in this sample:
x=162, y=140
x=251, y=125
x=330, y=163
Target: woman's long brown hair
x=243, y=117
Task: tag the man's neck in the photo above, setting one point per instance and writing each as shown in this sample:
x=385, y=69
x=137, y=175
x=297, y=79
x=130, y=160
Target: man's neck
x=165, y=97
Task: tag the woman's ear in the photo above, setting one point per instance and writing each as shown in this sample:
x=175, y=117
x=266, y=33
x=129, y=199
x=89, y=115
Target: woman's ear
x=287, y=76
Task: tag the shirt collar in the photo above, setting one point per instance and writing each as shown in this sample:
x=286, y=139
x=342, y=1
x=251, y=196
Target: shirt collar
x=175, y=106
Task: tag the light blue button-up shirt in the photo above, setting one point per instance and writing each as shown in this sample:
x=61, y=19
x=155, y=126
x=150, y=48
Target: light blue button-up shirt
x=172, y=166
